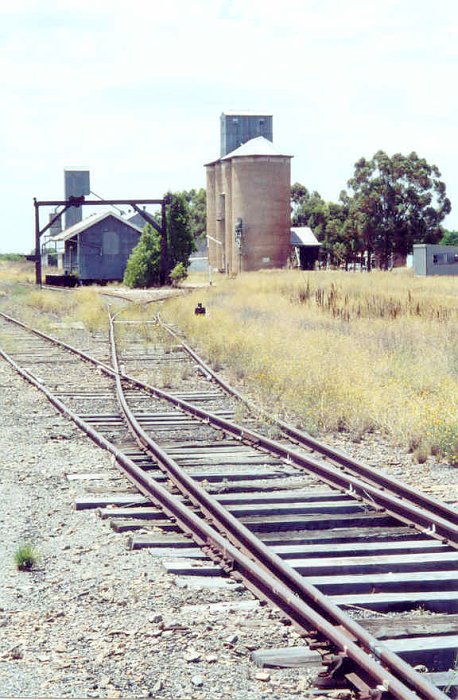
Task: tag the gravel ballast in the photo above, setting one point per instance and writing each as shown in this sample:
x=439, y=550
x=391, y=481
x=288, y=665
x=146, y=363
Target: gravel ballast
x=94, y=619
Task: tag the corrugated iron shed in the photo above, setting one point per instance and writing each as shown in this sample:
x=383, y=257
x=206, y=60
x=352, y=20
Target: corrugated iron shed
x=303, y=236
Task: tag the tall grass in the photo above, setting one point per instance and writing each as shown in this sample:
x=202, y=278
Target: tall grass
x=338, y=351
x=42, y=307
x=90, y=309
x=16, y=271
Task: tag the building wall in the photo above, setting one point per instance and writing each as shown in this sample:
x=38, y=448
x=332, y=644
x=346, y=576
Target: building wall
x=255, y=189
x=240, y=128
x=435, y=259
x=103, y=250
x=211, y=215
x=228, y=232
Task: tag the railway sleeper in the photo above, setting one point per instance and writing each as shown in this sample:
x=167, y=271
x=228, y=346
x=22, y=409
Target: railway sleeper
x=406, y=581
x=435, y=601
x=437, y=653
x=392, y=563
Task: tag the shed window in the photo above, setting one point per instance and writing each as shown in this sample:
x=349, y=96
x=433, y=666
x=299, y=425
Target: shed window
x=445, y=259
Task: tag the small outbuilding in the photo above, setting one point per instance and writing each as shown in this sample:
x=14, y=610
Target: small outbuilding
x=431, y=259
x=97, y=249
x=306, y=246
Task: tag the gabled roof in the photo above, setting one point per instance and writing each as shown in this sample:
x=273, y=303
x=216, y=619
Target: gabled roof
x=259, y=146
x=303, y=236
x=89, y=222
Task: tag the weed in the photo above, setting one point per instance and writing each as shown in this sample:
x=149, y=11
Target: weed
x=25, y=557
x=421, y=453
x=453, y=677
x=167, y=376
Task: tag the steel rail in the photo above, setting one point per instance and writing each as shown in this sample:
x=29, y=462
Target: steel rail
x=337, y=456
x=421, y=518
x=267, y=560
x=267, y=585
x=264, y=584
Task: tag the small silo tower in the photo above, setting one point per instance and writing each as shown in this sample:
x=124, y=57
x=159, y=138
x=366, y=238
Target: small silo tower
x=239, y=127
x=76, y=185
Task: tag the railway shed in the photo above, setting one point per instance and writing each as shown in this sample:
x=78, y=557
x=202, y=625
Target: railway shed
x=306, y=245
x=435, y=259
x=97, y=248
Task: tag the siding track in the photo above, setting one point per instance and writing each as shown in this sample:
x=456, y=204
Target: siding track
x=318, y=535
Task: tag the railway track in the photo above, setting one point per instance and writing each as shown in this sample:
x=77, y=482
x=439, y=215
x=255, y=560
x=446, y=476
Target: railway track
x=320, y=536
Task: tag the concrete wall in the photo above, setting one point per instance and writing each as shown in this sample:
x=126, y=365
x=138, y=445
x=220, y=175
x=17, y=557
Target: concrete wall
x=255, y=189
x=435, y=259
x=261, y=198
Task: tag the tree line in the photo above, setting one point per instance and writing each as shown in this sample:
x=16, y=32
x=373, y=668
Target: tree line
x=391, y=204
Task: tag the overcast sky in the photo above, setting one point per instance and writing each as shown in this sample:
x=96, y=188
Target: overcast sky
x=133, y=89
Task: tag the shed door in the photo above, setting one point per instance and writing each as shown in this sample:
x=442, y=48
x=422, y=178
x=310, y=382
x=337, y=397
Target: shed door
x=110, y=243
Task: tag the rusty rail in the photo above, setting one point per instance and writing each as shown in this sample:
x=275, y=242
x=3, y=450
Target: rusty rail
x=270, y=563
x=337, y=457
x=442, y=528
x=268, y=575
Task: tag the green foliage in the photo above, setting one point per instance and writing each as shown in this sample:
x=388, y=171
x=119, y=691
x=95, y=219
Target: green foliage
x=178, y=273
x=197, y=203
x=180, y=239
x=146, y=267
x=449, y=238
x=397, y=201
x=143, y=266
x=12, y=257
x=25, y=557
x=309, y=209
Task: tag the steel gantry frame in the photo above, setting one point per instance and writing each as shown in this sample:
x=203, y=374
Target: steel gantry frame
x=82, y=201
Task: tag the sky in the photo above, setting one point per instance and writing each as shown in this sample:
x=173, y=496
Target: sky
x=132, y=90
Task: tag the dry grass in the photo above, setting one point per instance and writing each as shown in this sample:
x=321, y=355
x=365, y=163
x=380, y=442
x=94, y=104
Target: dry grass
x=339, y=351
x=16, y=271
x=90, y=308
x=43, y=307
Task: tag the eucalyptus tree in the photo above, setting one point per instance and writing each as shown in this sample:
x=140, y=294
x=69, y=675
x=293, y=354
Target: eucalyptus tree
x=308, y=209
x=397, y=201
x=449, y=238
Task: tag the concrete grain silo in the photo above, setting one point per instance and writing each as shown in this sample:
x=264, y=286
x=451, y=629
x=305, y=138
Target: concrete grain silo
x=249, y=209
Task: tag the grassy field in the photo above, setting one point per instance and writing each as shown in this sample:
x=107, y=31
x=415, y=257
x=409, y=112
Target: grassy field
x=337, y=351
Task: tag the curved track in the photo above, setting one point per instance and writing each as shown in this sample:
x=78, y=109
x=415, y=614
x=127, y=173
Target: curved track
x=312, y=550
